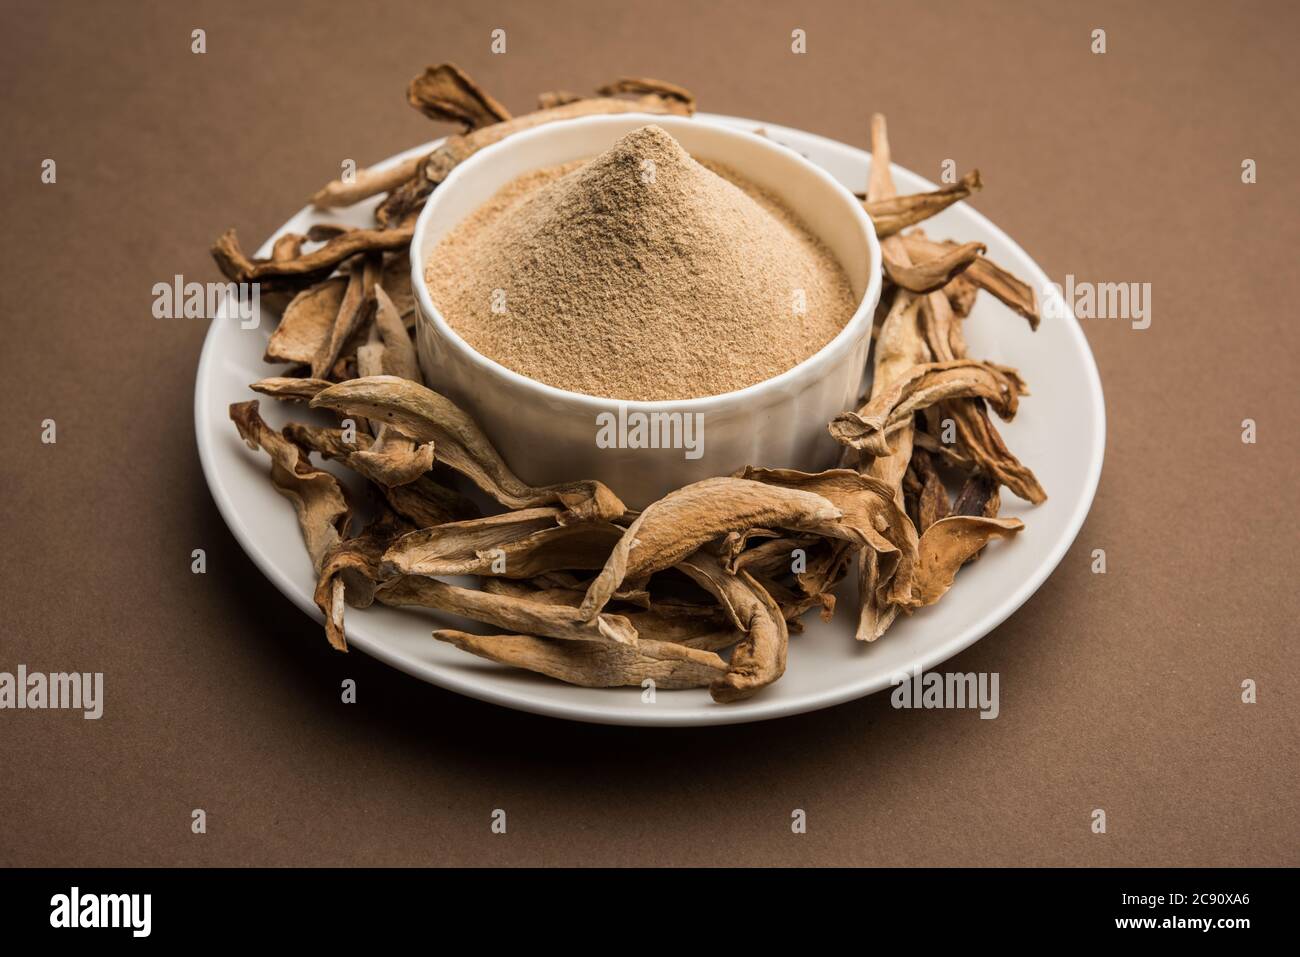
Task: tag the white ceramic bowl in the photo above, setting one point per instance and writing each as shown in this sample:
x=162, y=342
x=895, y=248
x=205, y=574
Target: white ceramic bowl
x=549, y=435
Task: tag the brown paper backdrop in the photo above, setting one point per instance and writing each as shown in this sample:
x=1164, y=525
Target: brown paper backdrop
x=1118, y=691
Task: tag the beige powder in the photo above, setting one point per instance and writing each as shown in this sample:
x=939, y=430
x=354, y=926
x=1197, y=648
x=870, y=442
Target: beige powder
x=639, y=275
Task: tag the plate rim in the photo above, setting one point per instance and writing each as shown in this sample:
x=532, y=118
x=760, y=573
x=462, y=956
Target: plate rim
x=742, y=713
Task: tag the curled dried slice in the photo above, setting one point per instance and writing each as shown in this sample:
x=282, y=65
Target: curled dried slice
x=562, y=588
x=678, y=524
x=644, y=86
x=961, y=294
x=505, y=611
x=989, y=454
x=290, y=389
x=874, y=517
x=349, y=573
x=426, y=416
x=693, y=632
x=425, y=503
x=928, y=275
x=519, y=544
x=306, y=322
x=308, y=267
x=932, y=499
x=978, y=496
x=896, y=213
x=365, y=183
x=759, y=658
x=553, y=98
x=827, y=566
x=446, y=92
x=871, y=514
x=942, y=331
x=421, y=501
x=983, y=273
x=287, y=246
x=454, y=150
x=772, y=558
x=396, y=353
x=899, y=346
x=947, y=545
x=589, y=665
x=355, y=310
x=393, y=460
x=892, y=409
x=316, y=496
x=952, y=455
x=396, y=280
x=979, y=441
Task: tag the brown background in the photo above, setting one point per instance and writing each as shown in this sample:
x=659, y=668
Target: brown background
x=1118, y=691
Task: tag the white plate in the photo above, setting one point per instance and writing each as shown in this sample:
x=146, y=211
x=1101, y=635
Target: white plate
x=1059, y=432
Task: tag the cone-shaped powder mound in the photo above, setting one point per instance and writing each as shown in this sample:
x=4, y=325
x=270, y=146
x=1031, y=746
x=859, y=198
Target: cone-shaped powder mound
x=641, y=275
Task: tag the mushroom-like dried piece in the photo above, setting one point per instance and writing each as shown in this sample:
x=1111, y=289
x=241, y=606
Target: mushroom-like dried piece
x=519, y=544
x=679, y=523
x=553, y=98
x=927, y=275
x=947, y=545
x=425, y=503
x=758, y=659
x=896, y=213
x=393, y=459
x=426, y=416
x=421, y=501
x=951, y=455
x=932, y=499
x=396, y=280
x=899, y=346
x=983, y=273
x=395, y=351
x=316, y=495
x=287, y=246
x=504, y=611
x=772, y=558
x=827, y=566
x=306, y=322
x=454, y=150
x=874, y=517
x=445, y=92
x=563, y=588
x=589, y=665
x=349, y=573
x=693, y=632
x=989, y=454
x=290, y=389
x=871, y=515
x=961, y=294
x=365, y=183
x=978, y=496
x=309, y=267
x=354, y=312
x=980, y=442
x=892, y=409
x=644, y=86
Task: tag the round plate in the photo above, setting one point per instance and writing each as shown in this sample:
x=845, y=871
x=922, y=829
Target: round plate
x=1059, y=432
